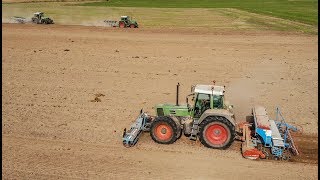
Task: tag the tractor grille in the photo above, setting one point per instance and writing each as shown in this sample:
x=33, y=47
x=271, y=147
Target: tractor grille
x=160, y=112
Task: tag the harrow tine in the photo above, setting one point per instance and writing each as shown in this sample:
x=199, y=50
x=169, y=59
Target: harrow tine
x=293, y=146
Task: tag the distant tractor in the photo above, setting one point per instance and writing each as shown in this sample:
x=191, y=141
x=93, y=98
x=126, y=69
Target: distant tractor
x=39, y=18
x=126, y=21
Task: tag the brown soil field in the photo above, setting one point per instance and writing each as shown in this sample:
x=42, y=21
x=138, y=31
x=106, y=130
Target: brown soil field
x=53, y=128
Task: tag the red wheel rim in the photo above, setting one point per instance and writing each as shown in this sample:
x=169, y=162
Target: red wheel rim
x=131, y=26
x=163, y=132
x=216, y=134
x=122, y=25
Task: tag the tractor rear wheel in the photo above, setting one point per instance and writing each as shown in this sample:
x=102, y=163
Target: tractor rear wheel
x=164, y=130
x=216, y=132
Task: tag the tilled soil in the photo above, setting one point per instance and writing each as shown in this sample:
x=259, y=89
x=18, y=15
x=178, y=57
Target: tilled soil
x=68, y=92
x=308, y=149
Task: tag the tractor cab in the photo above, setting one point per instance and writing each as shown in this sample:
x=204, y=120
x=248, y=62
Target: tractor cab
x=125, y=18
x=38, y=15
x=205, y=97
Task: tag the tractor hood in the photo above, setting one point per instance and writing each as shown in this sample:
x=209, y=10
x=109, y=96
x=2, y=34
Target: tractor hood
x=171, y=109
x=134, y=22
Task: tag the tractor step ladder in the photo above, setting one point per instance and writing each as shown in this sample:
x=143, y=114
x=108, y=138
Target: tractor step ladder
x=277, y=140
x=194, y=130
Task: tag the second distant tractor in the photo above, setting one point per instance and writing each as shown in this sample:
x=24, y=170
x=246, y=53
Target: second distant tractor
x=125, y=22
x=39, y=18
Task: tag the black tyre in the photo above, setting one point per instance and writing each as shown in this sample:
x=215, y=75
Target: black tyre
x=216, y=132
x=286, y=155
x=164, y=130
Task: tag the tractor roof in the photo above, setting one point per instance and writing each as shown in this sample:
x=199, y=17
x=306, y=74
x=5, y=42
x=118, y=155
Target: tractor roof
x=209, y=89
x=38, y=13
x=124, y=16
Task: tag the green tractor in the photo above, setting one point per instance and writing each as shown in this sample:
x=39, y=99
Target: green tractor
x=39, y=18
x=208, y=117
x=126, y=21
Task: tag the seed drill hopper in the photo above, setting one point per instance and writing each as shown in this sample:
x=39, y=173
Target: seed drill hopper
x=267, y=138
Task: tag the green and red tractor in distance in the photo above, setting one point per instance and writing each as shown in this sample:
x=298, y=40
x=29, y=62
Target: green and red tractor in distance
x=126, y=21
x=208, y=117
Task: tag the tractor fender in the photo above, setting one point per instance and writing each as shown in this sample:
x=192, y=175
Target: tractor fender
x=218, y=112
x=176, y=120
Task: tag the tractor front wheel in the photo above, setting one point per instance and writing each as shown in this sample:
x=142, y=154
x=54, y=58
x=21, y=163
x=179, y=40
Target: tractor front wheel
x=164, y=130
x=216, y=132
x=121, y=24
x=132, y=26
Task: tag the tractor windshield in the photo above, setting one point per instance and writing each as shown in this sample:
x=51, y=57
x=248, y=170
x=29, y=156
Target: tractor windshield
x=124, y=18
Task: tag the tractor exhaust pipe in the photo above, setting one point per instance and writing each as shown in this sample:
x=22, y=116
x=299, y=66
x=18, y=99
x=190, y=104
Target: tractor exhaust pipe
x=177, y=98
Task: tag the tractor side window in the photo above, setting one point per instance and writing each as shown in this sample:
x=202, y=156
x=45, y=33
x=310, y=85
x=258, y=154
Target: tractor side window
x=217, y=102
x=202, y=104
